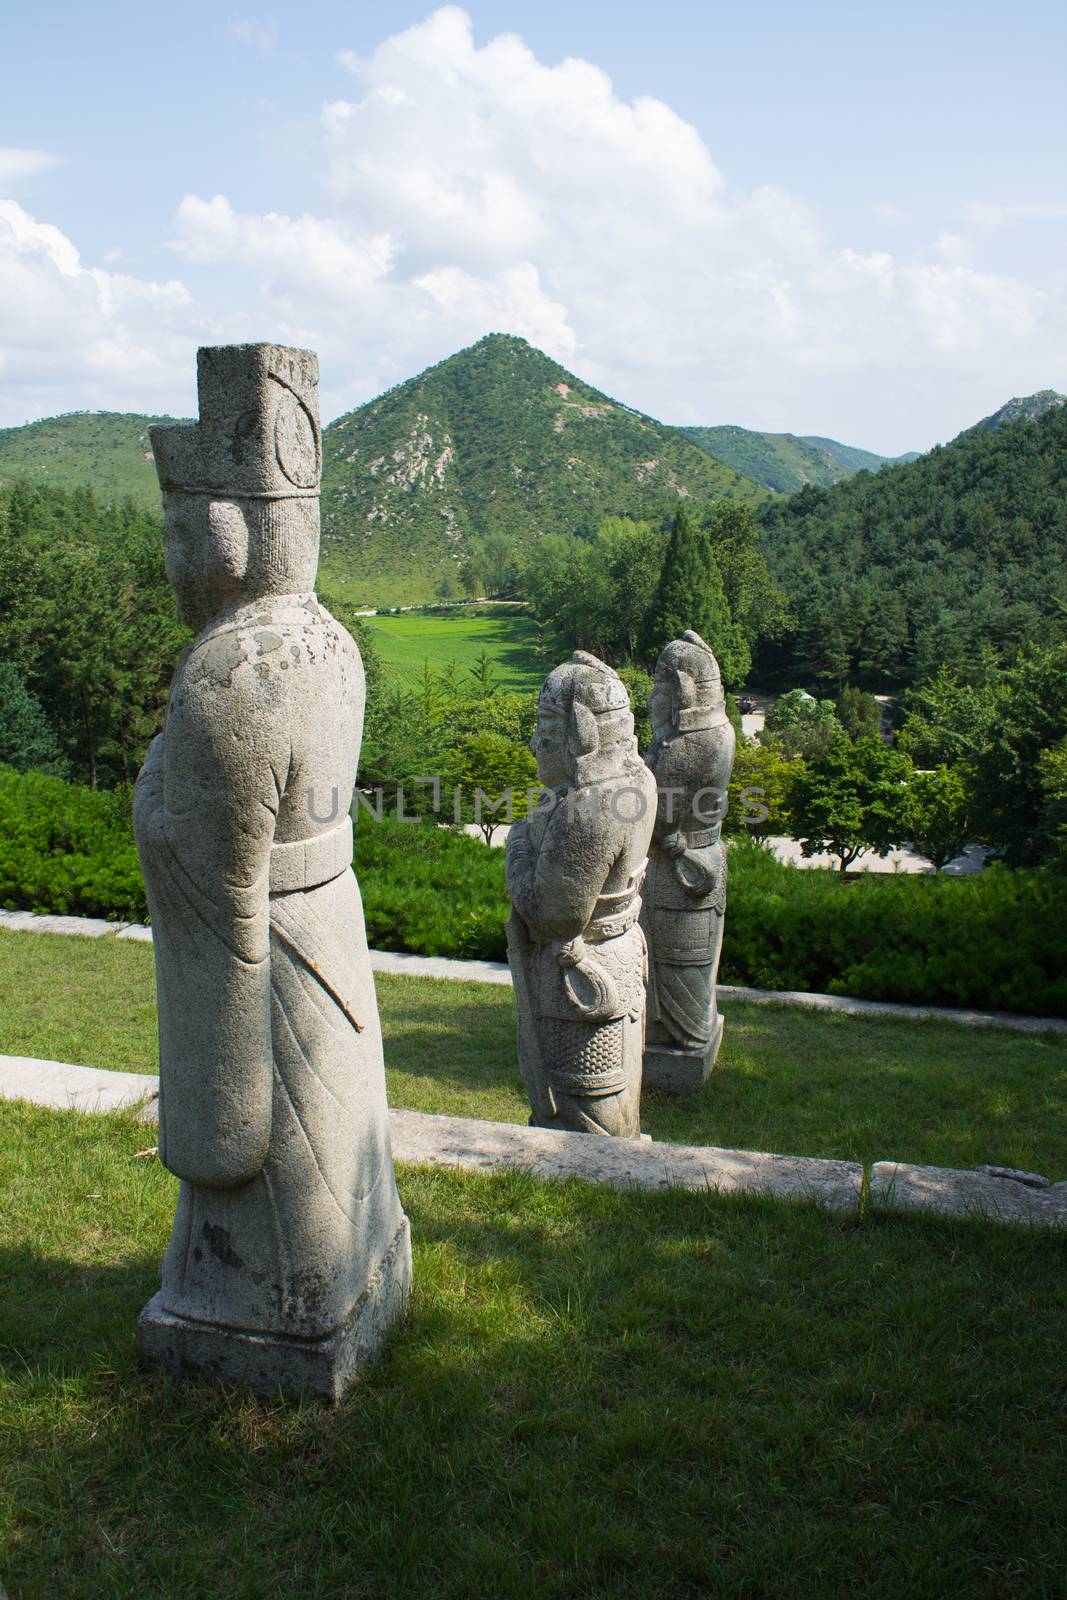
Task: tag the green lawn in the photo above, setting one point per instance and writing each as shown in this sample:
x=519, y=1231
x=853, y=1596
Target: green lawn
x=805, y=1083
x=509, y=637
x=595, y=1396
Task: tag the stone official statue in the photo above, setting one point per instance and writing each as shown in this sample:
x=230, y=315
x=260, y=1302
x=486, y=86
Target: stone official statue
x=574, y=870
x=691, y=757
x=290, y=1254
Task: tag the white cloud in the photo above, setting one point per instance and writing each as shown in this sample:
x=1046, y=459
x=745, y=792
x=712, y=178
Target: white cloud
x=81, y=337
x=987, y=215
x=468, y=188
x=259, y=36
x=471, y=188
x=16, y=165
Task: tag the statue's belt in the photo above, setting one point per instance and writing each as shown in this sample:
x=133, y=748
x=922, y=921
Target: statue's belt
x=614, y=913
x=309, y=863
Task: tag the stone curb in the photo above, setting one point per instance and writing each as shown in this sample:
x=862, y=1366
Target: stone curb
x=1019, y=1198
x=422, y=1138
x=410, y=966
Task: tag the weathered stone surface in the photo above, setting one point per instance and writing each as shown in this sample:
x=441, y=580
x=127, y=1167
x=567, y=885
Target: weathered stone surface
x=272, y=1105
x=900, y=1186
x=426, y=1140
x=45, y=922
x=67, y=1087
x=691, y=759
x=272, y=1363
x=574, y=870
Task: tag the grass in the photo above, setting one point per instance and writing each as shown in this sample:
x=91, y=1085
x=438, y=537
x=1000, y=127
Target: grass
x=595, y=1396
x=508, y=636
x=805, y=1083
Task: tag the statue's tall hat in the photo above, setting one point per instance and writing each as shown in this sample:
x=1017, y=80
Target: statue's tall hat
x=700, y=700
x=258, y=437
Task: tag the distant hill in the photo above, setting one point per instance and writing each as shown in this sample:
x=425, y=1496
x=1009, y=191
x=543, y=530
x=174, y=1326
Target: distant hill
x=497, y=439
x=107, y=449
x=1026, y=408
x=785, y=462
x=894, y=573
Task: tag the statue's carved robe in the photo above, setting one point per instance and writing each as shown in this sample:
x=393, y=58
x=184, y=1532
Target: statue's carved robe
x=577, y=953
x=685, y=895
x=272, y=1092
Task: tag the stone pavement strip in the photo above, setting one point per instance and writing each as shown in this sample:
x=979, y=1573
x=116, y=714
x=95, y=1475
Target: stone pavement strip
x=424, y=1139
x=497, y=972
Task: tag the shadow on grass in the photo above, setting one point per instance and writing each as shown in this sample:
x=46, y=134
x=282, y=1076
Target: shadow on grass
x=594, y=1393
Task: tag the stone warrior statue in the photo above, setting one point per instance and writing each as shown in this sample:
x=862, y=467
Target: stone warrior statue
x=574, y=869
x=290, y=1254
x=691, y=756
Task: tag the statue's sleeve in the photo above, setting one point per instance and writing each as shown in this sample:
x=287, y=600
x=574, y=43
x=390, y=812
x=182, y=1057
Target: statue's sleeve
x=672, y=774
x=555, y=886
x=207, y=836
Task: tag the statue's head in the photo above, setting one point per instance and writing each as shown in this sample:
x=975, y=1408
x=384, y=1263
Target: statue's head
x=241, y=486
x=585, y=728
x=687, y=691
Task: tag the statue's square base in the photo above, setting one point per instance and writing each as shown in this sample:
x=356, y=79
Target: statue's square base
x=271, y=1363
x=680, y=1071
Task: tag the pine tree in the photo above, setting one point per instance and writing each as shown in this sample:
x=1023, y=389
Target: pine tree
x=690, y=594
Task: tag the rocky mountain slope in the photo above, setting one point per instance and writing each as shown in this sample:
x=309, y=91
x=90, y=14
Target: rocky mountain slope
x=496, y=440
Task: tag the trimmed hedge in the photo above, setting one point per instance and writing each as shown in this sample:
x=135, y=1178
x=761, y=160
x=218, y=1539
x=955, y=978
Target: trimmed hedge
x=996, y=942
x=68, y=849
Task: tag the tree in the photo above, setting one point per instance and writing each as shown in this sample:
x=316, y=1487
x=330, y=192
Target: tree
x=858, y=713
x=851, y=799
x=490, y=767
x=937, y=814
x=639, y=687
x=690, y=594
x=27, y=740
x=1052, y=767
x=802, y=726
x=446, y=589
x=762, y=782
x=757, y=606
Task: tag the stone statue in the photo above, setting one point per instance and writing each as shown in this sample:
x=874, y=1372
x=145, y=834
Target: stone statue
x=290, y=1254
x=574, y=870
x=691, y=756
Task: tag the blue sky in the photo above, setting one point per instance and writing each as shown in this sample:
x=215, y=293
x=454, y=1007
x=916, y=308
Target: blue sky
x=828, y=219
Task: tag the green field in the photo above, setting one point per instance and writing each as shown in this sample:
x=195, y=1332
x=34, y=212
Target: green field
x=509, y=636
x=594, y=1396
x=802, y=1082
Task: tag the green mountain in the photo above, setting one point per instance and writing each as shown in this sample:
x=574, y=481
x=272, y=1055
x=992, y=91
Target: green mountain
x=496, y=440
x=107, y=449
x=935, y=562
x=785, y=462
x=1025, y=408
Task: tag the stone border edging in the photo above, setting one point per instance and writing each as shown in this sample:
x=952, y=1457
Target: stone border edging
x=423, y=1138
x=404, y=965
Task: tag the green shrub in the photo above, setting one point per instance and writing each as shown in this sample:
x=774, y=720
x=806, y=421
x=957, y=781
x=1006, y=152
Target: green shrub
x=67, y=849
x=430, y=890
x=996, y=942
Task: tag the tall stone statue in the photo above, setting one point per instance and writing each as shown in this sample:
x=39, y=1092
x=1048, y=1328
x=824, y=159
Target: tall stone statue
x=290, y=1254
x=691, y=756
x=574, y=870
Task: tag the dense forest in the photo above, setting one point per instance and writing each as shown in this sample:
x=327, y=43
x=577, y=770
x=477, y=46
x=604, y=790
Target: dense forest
x=938, y=563
x=782, y=461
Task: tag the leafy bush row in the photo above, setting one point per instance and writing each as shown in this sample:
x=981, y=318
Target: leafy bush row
x=995, y=942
